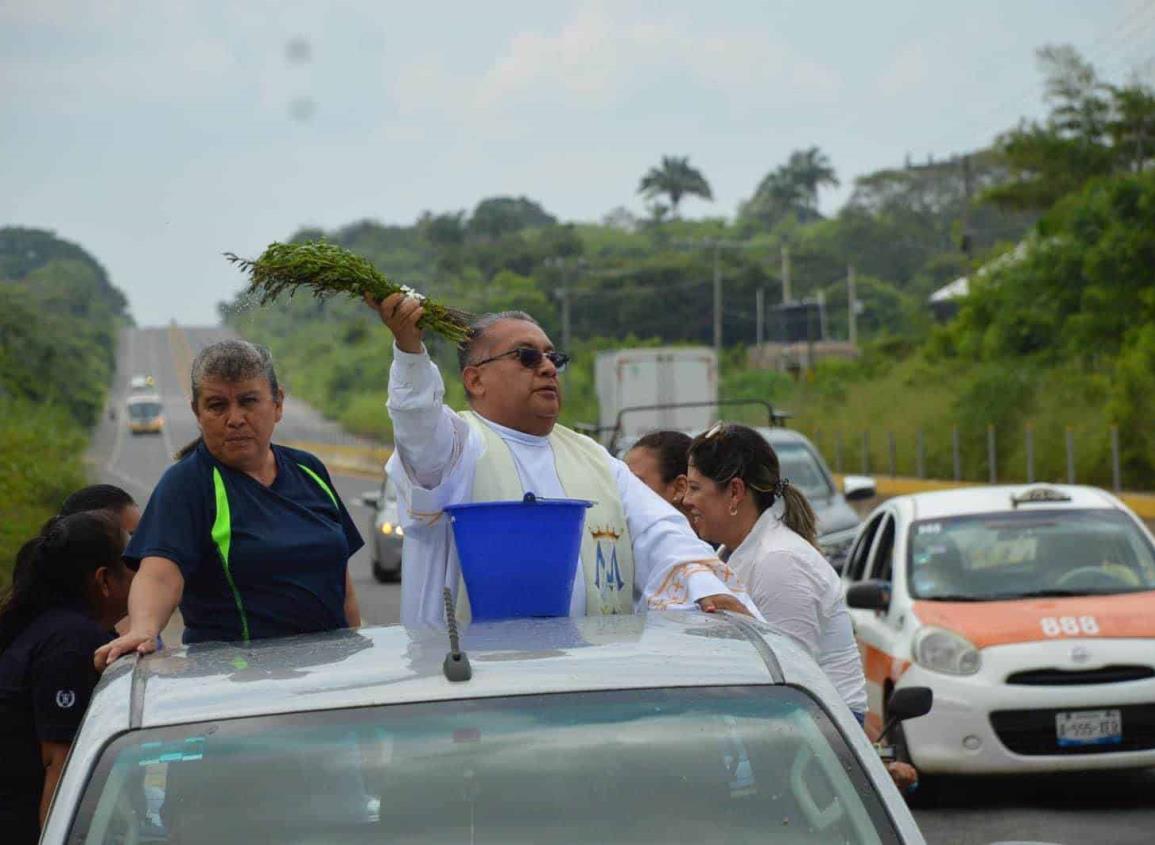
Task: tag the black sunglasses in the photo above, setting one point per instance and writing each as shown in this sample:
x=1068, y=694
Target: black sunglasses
x=530, y=358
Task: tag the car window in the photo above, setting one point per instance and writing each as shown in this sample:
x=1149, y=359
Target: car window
x=668, y=765
x=797, y=463
x=1029, y=552
x=882, y=556
x=856, y=568
x=388, y=490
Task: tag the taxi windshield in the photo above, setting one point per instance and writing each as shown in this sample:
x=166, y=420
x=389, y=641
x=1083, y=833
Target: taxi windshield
x=668, y=765
x=144, y=410
x=1029, y=554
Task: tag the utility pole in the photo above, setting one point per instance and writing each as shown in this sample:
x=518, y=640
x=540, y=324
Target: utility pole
x=563, y=293
x=717, y=299
x=786, y=297
x=968, y=189
x=759, y=315
x=851, y=307
x=717, y=244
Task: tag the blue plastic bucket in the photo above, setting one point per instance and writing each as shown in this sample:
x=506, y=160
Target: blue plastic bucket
x=519, y=558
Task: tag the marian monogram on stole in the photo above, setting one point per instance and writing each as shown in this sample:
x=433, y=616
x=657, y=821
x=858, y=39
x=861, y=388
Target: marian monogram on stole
x=608, y=576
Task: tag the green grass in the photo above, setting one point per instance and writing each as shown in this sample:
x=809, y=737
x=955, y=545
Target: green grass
x=842, y=401
x=41, y=449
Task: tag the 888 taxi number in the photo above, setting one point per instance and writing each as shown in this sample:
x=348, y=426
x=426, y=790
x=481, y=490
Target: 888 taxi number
x=1069, y=626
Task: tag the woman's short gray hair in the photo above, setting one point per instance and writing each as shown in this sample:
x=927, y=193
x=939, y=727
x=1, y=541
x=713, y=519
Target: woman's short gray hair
x=232, y=361
x=466, y=350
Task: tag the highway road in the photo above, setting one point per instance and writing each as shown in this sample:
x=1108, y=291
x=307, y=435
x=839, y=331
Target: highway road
x=136, y=462
x=1118, y=809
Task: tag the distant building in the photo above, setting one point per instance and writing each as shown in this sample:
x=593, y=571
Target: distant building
x=796, y=357
x=944, y=303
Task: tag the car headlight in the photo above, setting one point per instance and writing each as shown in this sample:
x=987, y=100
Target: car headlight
x=945, y=651
x=389, y=529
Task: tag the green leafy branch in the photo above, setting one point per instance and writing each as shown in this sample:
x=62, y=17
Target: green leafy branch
x=327, y=269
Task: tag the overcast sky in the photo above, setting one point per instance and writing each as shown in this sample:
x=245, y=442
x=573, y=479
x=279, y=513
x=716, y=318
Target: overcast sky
x=159, y=134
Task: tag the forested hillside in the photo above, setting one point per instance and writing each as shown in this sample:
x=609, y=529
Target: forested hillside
x=59, y=317
x=1052, y=223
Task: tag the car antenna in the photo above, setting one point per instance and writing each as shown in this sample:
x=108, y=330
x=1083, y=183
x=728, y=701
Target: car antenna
x=456, y=666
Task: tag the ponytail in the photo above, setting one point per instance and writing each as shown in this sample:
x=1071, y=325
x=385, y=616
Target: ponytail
x=55, y=568
x=797, y=514
x=187, y=449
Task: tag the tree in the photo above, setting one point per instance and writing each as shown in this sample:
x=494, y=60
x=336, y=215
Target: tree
x=791, y=188
x=22, y=251
x=1080, y=108
x=1132, y=126
x=808, y=170
x=1047, y=161
x=674, y=178
x=443, y=230
x=498, y=216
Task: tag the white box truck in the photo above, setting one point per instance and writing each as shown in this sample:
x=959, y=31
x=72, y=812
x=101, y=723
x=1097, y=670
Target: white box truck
x=631, y=382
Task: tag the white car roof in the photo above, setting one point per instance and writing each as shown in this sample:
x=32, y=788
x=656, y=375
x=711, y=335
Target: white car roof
x=396, y=665
x=966, y=501
x=393, y=665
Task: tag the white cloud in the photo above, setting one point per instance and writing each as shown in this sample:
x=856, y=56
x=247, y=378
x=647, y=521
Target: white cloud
x=600, y=57
x=907, y=71
x=582, y=60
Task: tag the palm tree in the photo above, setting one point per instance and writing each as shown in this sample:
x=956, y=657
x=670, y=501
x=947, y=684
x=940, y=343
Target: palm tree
x=810, y=169
x=675, y=178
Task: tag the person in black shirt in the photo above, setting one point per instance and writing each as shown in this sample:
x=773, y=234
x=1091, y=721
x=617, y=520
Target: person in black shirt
x=95, y=497
x=61, y=606
x=104, y=497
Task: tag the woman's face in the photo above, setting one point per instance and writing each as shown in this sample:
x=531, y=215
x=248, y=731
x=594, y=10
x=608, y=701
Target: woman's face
x=110, y=587
x=708, y=505
x=129, y=518
x=237, y=420
x=644, y=464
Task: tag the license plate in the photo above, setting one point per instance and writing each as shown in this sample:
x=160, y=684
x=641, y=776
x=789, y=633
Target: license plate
x=1089, y=727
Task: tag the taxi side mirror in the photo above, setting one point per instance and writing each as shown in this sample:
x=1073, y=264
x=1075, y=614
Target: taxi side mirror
x=869, y=595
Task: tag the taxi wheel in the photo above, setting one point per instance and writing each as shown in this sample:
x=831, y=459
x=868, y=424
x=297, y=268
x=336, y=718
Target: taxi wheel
x=384, y=576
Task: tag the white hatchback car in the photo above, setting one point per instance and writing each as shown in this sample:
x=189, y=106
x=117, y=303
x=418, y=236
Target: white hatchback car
x=1029, y=610
x=669, y=727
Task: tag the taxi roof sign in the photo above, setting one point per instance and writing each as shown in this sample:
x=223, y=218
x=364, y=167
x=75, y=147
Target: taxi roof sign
x=1039, y=495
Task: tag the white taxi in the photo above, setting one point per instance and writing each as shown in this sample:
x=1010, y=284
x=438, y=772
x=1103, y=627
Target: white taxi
x=1029, y=610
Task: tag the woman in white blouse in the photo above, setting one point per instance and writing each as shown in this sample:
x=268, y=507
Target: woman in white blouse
x=733, y=485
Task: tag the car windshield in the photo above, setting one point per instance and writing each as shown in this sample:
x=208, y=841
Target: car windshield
x=1025, y=553
x=797, y=463
x=144, y=410
x=744, y=764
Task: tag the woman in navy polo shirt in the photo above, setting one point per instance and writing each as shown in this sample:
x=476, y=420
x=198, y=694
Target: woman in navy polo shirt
x=249, y=538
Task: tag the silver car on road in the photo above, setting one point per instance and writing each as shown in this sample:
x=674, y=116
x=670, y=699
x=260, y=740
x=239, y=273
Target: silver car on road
x=386, y=535
x=670, y=727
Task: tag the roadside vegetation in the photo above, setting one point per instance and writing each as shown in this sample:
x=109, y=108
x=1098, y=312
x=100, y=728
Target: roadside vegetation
x=1053, y=224
x=59, y=317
